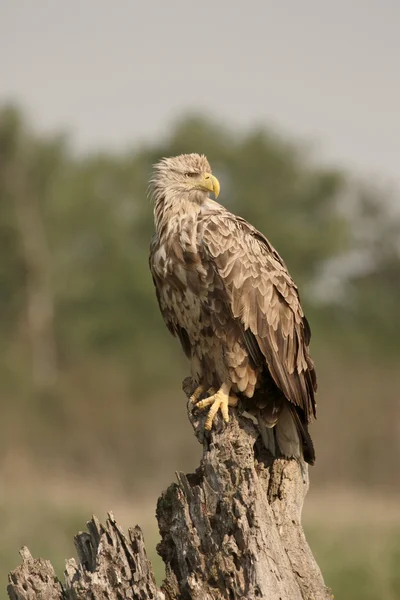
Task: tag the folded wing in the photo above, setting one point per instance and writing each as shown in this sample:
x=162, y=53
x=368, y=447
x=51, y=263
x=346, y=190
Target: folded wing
x=262, y=297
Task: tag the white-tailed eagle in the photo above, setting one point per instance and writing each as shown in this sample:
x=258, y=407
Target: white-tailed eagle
x=225, y=292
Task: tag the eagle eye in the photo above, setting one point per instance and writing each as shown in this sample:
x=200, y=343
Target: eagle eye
x=190, y=174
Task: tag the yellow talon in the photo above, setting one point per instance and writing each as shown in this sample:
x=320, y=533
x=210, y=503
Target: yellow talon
x=219, y=400
x=194, y=398
x=197, y=393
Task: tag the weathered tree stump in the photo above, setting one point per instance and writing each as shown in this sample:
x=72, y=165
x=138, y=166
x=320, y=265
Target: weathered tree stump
x=230, y=531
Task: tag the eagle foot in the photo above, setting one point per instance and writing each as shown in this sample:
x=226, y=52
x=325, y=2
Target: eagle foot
x=219, y=400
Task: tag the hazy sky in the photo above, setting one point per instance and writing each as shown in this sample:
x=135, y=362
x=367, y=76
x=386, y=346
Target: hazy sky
x=115, y=73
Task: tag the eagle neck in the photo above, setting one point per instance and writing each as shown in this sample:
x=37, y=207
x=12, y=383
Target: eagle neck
x=172, y=213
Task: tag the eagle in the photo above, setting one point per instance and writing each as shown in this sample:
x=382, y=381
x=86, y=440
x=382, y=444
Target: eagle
x=226, y=294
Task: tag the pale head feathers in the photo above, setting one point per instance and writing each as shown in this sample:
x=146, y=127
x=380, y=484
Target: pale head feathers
x=178, y=175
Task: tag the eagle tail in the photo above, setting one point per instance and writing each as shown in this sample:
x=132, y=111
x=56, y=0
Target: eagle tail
x=292, y=434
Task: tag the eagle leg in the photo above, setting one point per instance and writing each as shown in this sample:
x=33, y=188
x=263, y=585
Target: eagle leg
x=221, y=400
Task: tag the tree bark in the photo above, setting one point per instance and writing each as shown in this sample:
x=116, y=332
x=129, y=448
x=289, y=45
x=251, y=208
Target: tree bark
x=230, y=531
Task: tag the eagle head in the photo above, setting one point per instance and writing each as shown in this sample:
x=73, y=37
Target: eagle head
x=186, y=174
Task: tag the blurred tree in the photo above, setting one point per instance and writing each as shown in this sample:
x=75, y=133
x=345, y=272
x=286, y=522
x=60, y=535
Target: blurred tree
x=12, y=274
x=75, y=287
x=375, y=287
x=76, y=232
x=27, y=167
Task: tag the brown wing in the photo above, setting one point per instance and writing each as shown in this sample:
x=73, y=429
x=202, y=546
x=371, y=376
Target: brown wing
x=164, y=291
x=262, y=296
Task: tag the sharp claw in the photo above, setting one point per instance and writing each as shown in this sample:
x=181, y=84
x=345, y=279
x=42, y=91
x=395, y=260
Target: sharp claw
x=197, y=393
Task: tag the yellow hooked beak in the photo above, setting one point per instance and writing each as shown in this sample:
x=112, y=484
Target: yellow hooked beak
x=209, y=183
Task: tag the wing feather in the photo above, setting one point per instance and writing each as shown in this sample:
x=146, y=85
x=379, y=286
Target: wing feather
x=261, y=295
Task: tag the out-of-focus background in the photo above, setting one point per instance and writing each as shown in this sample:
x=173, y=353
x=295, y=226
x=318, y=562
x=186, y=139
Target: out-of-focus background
x=297, y=107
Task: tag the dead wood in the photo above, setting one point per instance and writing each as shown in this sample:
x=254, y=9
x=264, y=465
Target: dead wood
x=230, y=531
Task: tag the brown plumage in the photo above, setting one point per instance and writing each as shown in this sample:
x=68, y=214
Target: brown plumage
x=225, y=292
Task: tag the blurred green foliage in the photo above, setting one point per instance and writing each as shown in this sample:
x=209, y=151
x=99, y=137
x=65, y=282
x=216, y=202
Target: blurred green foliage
x=75, y=288
x=75, y=285
x=97, y=225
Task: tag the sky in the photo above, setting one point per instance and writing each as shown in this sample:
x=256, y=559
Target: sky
x=117, y=73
